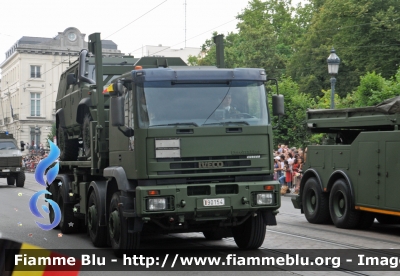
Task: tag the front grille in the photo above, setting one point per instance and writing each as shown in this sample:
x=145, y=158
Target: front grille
x=198, y=190
x=226, y=189
x=210, y=171
x=208, y=165
x=10, y=161
x=203, y=158
x=195, y=165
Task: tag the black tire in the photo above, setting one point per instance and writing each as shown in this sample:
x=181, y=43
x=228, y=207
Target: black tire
x=214, y=235
x=315, y=202
x=53, y=189
x=340, y=206
x=121, y=241
x=86, y=135
x=20, y=179
x=97, y=233
x=250, y=234
x=10, y=180
x=366, y=220
x=68, y=223
x=387, y=219
x=68, y=147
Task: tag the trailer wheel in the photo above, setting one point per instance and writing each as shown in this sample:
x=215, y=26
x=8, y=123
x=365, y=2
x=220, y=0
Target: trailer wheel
x=97, y=233
x=122, y=242
x=86, y=134
x=366, y=220
x=315, y=202
x=10, y=180
x=213, y=235
x=20, y=179
x=68, y=223
x=250, y=234
x=343, y=216
x=54, y=196
x=68, y=147
x=387, y=219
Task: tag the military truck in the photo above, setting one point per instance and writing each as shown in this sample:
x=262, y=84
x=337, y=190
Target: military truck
x=353, y=177
x=159, y=155
x=11, y=163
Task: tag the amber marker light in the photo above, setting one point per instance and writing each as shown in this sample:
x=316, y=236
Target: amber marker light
x=109, y=89
x=269, y=188
x=153, y=192
x=138, y=67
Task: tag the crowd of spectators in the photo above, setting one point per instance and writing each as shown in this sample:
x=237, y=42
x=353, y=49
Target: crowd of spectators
x=34, y=156
x=288, y=165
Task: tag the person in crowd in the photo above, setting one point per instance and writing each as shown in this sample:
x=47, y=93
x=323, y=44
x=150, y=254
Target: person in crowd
x=288, y=174
x=277, y=167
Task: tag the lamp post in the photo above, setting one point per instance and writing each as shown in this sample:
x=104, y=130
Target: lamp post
x=333, y=69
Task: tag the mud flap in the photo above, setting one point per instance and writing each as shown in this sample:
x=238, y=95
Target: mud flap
x=269, y=217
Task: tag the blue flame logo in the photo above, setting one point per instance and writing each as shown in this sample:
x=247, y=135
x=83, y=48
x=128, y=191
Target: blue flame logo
x=40, y=178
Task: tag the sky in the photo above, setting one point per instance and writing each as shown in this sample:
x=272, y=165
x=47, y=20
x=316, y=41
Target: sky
x=131, y=24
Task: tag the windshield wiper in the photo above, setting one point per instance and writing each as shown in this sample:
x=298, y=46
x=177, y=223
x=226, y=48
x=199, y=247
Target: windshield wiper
x=227, y=123
x=178, y=124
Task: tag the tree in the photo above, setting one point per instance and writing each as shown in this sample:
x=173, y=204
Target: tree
x=291, y=128
x=361, y=31
x=51, y=135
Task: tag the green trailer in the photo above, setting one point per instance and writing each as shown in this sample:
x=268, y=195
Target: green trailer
x=150, y=150
x=353, y=177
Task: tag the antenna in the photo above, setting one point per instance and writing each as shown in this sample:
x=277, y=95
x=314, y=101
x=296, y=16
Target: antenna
x=185, y=23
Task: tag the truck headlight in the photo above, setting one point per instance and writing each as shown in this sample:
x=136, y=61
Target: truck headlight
x=264, y=199
x=156, y=203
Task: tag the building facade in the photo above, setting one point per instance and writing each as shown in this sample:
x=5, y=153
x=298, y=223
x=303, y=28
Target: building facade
x=29, y=84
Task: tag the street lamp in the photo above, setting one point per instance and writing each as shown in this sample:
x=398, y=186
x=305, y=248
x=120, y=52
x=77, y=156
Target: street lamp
x=333, y=69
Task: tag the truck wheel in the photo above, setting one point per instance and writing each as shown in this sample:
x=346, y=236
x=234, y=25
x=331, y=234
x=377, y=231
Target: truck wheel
x=86, y=134
x=387, y=219
x=250, y=234
x=97, y=233
x=366, y=220
x=20, y=179
x=10, y=180
x=54, y=196
x=213, y=235
x=343, y=216
x=68, y=223
x=315, y=202
x=122, y=242
x=68, y=147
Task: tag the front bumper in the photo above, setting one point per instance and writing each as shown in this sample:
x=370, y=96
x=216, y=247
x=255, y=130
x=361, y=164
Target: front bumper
x=5, y=171
x=188, y=200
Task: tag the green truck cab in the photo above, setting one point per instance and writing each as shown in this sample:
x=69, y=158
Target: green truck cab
x=11, y=165
x=167, y=155
x=352, y=178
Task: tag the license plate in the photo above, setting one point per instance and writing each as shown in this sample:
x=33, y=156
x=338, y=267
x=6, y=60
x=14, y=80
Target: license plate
x=6, y=170
x=214, y=202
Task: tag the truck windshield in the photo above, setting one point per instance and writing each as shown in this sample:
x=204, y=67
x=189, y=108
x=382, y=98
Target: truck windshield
x=201, y=104
x=6, y=145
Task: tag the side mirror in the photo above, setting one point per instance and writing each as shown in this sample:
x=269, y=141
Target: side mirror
x=22, y=145
x=82, y=68
x=278, y=106
x=71, y=79
x=117, y=111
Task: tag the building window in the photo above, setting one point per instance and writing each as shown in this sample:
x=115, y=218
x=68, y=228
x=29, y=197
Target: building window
x=35, y=138
x=35, y=71
x=35, y=104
